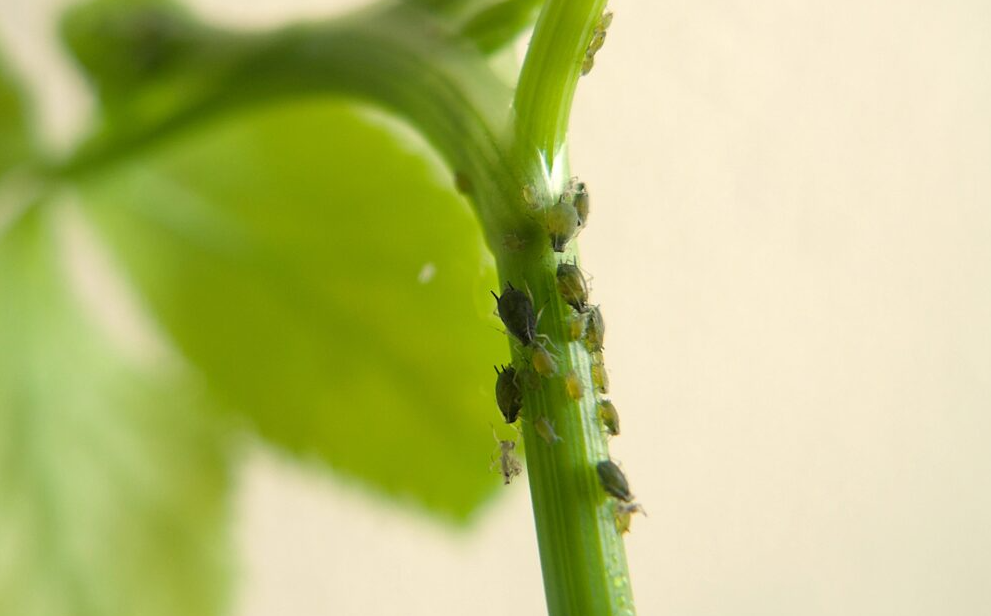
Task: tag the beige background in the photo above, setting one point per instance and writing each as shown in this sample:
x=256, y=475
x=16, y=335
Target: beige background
x=791, y=240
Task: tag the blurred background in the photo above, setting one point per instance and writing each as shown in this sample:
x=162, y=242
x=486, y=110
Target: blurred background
x=791, y=242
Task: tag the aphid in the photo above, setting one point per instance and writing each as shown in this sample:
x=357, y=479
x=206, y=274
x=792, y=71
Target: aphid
x=572, y=287
x=625, y=511
x=581, y=203
x=587, y=64
x=530, y=196
x=613, y=480
x=562, y=223
x=606, y=20
x=546, y=431
x=576, y=327
x=609, y=417
x=573, y=385
x=600, y=378
x=509, y=464
x=513, y=242
x=595, y=330
x=516, y=312
x=598, y=40
x=508, y=394
x=543, y=361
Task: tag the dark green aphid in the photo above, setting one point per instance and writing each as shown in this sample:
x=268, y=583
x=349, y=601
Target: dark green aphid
x=543, y=362
x=509, y=397
x=516, y=312
x=595, y=330
x=581, y=203
x=609, y=417
x=562, y=223
x=572, y=287
x=613, y=480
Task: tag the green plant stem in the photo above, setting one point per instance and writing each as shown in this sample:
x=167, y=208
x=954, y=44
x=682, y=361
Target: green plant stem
x=406, y=60
x=550, y=75
x=582, y=554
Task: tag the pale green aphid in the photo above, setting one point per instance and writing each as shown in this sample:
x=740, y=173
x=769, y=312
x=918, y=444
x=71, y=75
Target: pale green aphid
x=576, y=327
x=572, y=286
x=581, y=203
x=545, y=429
x=595, y=330
x=530, y=196
x=543, y=362
x=598, y=40
x=573, y=385
x=609, y=416
x=561, y=222
x=600, y=378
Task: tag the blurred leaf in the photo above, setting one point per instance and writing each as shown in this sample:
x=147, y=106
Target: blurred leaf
x=14, y=143
x=147, y=60
x=112, y=487
x=329, y=284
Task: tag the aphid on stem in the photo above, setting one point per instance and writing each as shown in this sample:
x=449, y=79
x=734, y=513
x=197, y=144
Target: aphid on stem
x=581, y=203
x=509, y=397
x=600, y=378
x=543, y=362
x=572, y=286
x=516, y=311
x=545, y=429
x=613, y=480
x=624, y=512
x=576, y=327
x=561, y=221
x=573, y=385
x=595, y=330
x=609, y=417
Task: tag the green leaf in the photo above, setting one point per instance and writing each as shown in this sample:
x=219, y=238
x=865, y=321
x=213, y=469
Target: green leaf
x=14, y=142
x=112, y=487
x=322, y=274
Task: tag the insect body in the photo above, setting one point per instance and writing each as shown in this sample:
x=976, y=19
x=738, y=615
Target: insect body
x=572, y=287
x=576, y=327
x=561, y=221
x=595, y=330
x=509, y=397
x=573, y=385
x=516, y=312
x=543, y=361
x=546, y=431
x=581, y=203
x=509, y=464
x=613, y=480
x=609, y=417
x=624, y=511
x=600, y=378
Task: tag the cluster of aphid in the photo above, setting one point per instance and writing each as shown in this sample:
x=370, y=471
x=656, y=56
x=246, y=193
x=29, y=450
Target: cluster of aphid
x=598, y=40
x=516, y=309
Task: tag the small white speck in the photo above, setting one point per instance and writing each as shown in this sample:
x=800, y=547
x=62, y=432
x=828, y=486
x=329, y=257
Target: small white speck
x=426, y=273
